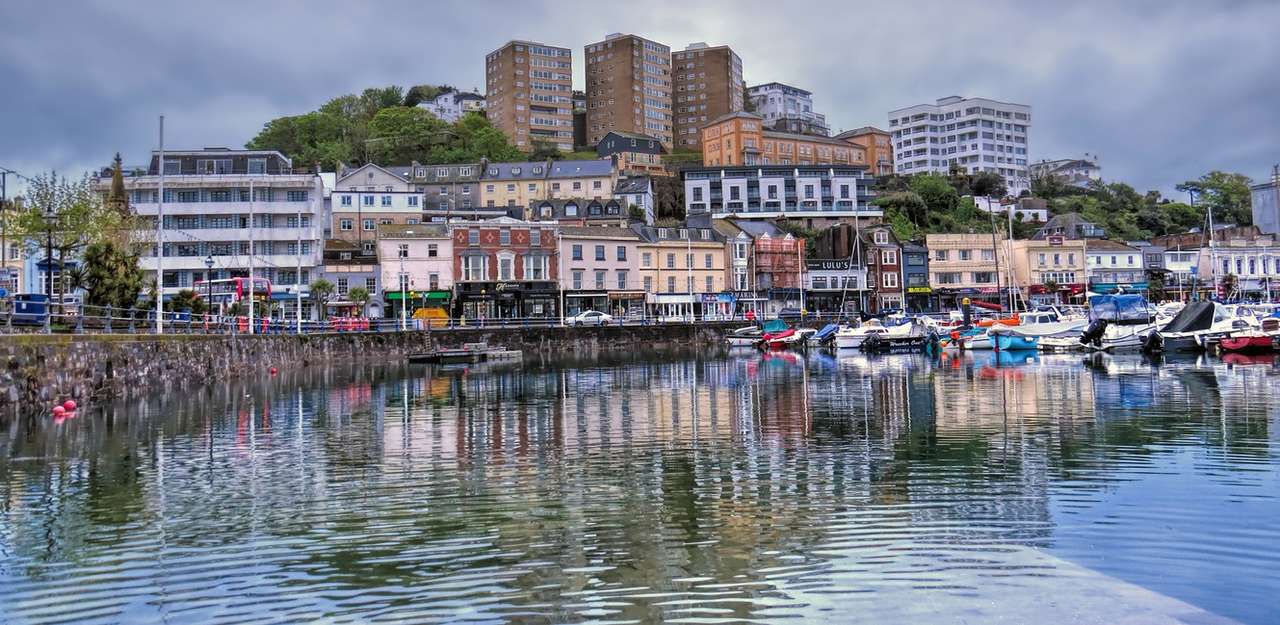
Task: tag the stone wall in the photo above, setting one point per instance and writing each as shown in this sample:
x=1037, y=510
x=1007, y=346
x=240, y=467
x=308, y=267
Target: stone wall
x=41, y=369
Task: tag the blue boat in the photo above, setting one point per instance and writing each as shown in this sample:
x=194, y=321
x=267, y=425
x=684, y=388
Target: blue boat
x=1006, y=341
x=825, y=335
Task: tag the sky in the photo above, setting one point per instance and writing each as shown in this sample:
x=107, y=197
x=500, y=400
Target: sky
x=1160, y=91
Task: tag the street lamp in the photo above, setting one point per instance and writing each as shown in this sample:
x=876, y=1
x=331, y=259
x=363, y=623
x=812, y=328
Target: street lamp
x=50, y=216
x=208, y=282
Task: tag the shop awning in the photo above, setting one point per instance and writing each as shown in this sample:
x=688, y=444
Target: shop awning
x=586, y=294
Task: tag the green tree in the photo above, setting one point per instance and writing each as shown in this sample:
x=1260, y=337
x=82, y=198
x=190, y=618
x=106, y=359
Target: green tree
x=1226, y=193
x=543, y=150
x=360, y=296
x=988, y=184
x=907, y=204
x=112, y=275
x=938, y=194
x=79, y=217
x=425, y=93
x=186, y=300
x=321, y=292
x=401, y=134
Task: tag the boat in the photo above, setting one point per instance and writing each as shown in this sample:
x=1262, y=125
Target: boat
x=911, y=336
x=826, y=335
x=744, y=337
x=1260, y=341
x=1004, y=340
x=1046, y=323
x=777, y=335
x=1196, y=328
x=1118, y=323
x=853, y=337
x=973, y=339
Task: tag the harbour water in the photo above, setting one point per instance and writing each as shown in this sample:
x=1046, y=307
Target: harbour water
x=661, y=487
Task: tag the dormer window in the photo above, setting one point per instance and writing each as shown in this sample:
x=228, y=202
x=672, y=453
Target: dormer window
x=493, y=171
x=442, y=172
x=465, y=171
x=881, y=237
x=537, y=170
x=571, y=209
x=420, y=172
x=515, y=171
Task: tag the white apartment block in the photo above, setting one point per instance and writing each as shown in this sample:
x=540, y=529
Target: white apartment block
x=976, y=133
x=217, y=201
x=450, y=106
x=775, y=102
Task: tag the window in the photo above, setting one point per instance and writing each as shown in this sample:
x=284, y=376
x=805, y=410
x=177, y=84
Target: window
x=432, y=250
x=709, y=261
x=344, y=224
x=671, y=262
x=889, y=280
x=599, y=280
x=1042, y=261
x=940, y=254
x=413, y=201
x=881, y=237
x=343, y=285
x=577, y=252
x=888, y=257
x=646, y=259
x=988, y=254
x=622, y=252
x=622, y=279
x=386, y=200
x=504, y=237
x=475, y=268
x=599, y=252
x=403, y=250
x=368, y=224
x=577, y=280
x=648, y=284
x=965, y=255
x=257, y=165
x=473, y=237
x=506, y=267
x=367, y=200
x=671, y=284
x=1057, y=259
x=984, y=277
x=535, y=267
x=710, y=285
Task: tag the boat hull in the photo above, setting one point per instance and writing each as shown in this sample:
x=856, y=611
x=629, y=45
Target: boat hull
x=1014, y=342
x=1256, y=344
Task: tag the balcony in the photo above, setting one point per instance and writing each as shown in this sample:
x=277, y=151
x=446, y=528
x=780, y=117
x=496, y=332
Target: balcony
x=280, y=207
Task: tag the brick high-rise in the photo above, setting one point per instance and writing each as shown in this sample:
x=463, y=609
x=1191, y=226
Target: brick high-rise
x=708, y=84
x=629, y=88
x=528, y=90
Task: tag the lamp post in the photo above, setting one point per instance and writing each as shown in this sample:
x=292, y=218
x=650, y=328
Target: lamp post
x=50, y=215
x=208, y=284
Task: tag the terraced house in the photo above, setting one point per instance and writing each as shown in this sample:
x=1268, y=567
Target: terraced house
x=816, y=195
x=682, y=271
x=600, y=270
x=505, y=268
x=451, y=191
x=370, y=195
x=512, y=185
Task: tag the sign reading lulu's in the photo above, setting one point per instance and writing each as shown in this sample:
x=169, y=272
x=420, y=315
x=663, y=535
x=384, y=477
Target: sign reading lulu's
x=827, y=265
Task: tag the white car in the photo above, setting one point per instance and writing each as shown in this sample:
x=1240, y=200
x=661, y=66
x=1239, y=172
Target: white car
x=590, y=318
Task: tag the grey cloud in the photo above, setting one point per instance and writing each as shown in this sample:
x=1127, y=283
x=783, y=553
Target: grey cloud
x=1163, y=91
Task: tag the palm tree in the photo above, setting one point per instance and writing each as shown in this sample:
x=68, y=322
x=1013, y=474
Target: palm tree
x=321, y=291
x=360, y=295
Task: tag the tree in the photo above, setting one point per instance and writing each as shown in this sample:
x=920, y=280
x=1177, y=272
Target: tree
x=907, y=204
x=936, y=191
x=1227, y=194
x=401, y=134
x=543, y=150
x=635, y=213
x=988, y=184
x=668, y=197
x=359, y=295
x=187, y=300
x=321, y=292
x=80, y=217
x=425, y=93
x=112, y=275
x=1156, y=286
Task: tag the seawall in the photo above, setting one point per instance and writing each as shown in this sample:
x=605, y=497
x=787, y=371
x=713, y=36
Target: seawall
x=41, y=369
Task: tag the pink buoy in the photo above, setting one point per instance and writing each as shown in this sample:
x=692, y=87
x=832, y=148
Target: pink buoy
x=273, y=371
x=69, y=405
x=58, y=411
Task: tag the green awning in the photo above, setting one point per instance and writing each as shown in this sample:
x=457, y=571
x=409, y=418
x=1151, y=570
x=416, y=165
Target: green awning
x=439, y=296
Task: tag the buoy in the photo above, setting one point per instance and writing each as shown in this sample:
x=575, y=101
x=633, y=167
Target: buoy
x=69, y=405
x=58, y=411
x=273, y=371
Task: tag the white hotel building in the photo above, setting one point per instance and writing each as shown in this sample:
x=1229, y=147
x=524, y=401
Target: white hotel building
x=976, y=133
x=207, y=212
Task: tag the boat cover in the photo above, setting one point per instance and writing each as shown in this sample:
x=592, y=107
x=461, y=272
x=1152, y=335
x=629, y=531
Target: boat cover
x=826, y=331
x=775, y=325
x=1121, y=308
x=1193, y=317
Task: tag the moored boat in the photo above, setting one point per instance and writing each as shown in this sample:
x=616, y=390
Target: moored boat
x=744, y=337
x=1255, y=341
x=1006, y=341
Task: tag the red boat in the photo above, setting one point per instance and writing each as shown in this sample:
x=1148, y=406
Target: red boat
x=1251, y=343
x=779, y=340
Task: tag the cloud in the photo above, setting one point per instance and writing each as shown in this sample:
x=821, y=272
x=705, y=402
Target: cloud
x=1163, y=91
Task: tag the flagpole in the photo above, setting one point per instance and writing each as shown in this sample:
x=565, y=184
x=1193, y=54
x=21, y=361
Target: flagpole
x=160, y=239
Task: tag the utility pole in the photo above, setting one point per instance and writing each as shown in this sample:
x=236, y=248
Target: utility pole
x=160, y=238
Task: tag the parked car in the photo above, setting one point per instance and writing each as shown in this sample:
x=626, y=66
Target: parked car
x=590, y=318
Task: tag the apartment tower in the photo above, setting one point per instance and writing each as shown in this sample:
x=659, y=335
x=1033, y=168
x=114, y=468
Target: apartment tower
x=708, y=84
x=976, y=134
x=629, y=88
x=528, y=94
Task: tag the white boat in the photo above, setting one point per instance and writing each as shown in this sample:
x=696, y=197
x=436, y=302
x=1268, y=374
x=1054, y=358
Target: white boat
x=852, y=337
x=744, y=337
x=1198, y=327
x=1045, y=323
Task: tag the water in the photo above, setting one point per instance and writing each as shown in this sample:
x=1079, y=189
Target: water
x=707, y=488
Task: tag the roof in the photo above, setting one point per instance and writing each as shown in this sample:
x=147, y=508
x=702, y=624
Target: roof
x=600, y=232
x=575, y=169
x=401, y=172
x=635, y=184
x=756, y=228
x=792, y=136
x=779, y=85
x=412, y=231
x=515, y=171
x=1104, y=245
x=735, y=114
x=914, y=247
x=655, y=234
x=606, y=208
x=857, y=132
x=453, y=173
x=467, y=95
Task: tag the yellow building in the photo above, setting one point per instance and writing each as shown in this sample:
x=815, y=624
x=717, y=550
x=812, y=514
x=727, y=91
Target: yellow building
x=966, y=266
x=518, y=184
x=1050, y=270
x=682, y=271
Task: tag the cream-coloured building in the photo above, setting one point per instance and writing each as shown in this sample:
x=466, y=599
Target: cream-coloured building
x=519, y=184
x=966, y=266
x=682, y=271
x=1039, y=264
x=417, y=266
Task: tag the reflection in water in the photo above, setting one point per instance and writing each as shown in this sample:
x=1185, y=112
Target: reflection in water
x=711, y=487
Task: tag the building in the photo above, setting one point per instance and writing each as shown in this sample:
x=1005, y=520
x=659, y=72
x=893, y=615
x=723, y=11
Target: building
x=915, y=275
x=967, y=266
x=682, y=272
x=417, y=268
x=505, y=268
x=1076, y=172
x=593, y=212
x=740, y=139
x=1025, y=210
x=818, y=195
x=218, y=201
x=528, y=94
x=836, y=273
x=1114, y=267
x=765, y=265
x=450, y=106
x=601, y=271
x=1048, y=271
x=707, y=84
x=592, y=179
x=1243, y=269
x=580, y=121
x=632, y=154
x=519, y=184
x=1266, y=204
x=370, y=195
x=451, y=191
x=878, y=146
x=636, y=191
x=1182, y=273
x=1070, y=226
x=787, y=108
x=882, y=256
x=347, y=268
x=629, y=86
x=977, y=134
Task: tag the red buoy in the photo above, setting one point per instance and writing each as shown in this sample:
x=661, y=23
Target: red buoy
x=58, y=411
x=273, y=371
x=69, y=405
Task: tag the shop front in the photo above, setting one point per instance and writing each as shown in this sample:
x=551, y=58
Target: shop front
x=627, y=304
x=672, y=306
x=920, y=299
x=1108, y=288
x=576, y=302
x=718, y=306
x=835, y=286
x=507, y=300
x=1039, y=295
x=784, y=298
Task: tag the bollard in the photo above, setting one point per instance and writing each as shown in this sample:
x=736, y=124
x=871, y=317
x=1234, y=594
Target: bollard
x=106, y=325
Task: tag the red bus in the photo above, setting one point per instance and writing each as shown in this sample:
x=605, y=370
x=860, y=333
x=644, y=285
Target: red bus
x=231, y=290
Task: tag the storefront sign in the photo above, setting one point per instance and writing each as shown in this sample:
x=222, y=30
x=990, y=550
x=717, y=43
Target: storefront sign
x=923, y=290
x=506, y=286
x=827, y=265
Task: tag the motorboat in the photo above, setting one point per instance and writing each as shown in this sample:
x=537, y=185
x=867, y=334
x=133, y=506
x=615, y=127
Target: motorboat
x=911, y=336
x=1045, y=323
x=852, y=337
x=1004, y=339
x=744, y=337
x=973, y=339
x=1196, y=328
x=825, y=335
x=1118, y=323
x=1260, y=341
